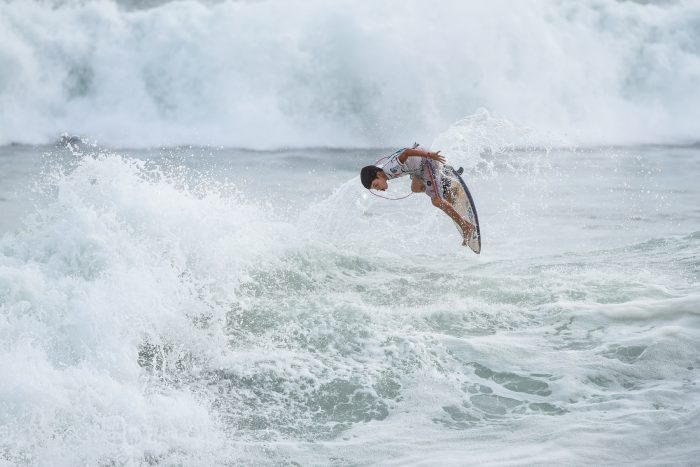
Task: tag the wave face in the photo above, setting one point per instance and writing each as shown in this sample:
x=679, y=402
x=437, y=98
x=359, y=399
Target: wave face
x=313, y=73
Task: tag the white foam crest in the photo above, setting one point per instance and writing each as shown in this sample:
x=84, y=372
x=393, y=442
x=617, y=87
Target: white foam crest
x=650, y=309
x=487, y=145
x=304, y=73
x=125, y=256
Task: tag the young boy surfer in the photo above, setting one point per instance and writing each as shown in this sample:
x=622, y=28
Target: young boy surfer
x=425, y=169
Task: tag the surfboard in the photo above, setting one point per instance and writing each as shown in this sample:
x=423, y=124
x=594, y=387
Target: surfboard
x=461, y=199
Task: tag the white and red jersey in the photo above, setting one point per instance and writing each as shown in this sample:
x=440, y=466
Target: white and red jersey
x=426, y=170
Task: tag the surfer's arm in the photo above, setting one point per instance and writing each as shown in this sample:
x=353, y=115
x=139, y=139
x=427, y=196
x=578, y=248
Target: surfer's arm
x=466, y=226
x=436, y=156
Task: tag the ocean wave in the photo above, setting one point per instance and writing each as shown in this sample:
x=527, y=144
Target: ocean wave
x=309, y=73
x=152, y=312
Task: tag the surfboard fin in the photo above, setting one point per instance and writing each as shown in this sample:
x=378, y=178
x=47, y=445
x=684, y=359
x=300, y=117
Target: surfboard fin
x=460, y=171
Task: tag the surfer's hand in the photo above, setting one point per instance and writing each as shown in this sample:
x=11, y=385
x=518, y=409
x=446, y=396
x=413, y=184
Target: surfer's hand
x=436, y=156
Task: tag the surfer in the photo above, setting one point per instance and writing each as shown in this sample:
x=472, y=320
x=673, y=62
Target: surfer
x=425, y=169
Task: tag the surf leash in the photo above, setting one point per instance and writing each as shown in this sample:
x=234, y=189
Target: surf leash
x=386, y=158
x=391, y=199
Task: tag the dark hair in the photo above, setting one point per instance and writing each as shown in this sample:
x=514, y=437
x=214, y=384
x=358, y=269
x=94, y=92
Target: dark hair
x=368, y=174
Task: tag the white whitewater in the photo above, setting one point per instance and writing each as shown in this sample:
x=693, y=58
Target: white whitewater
x=280, y=73
x=230, y=304
x=152, y=312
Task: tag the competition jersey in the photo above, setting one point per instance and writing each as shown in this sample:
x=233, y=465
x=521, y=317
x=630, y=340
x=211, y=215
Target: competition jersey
x=428, y=171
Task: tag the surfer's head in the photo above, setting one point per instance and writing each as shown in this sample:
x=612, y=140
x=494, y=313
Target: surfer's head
x=373, y=177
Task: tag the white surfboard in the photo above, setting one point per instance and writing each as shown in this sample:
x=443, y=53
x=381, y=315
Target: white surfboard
x=461, y=199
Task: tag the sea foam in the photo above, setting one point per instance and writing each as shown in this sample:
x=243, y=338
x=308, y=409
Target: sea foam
x=311, y=73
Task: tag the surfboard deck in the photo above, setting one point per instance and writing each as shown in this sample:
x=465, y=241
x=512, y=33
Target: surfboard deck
x=461, y=199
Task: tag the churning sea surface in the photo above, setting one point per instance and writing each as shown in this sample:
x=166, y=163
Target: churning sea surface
x=213, y=306
x=193, y=274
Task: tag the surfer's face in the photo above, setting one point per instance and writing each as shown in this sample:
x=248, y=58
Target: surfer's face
x=380, y=183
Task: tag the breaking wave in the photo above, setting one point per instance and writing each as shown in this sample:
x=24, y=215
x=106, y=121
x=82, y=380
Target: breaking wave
x=311, y=73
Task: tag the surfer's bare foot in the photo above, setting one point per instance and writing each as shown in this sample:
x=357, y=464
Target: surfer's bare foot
x=468, y=230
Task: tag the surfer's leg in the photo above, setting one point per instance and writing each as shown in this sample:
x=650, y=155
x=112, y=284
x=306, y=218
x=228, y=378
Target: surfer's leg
x=466, y=226
x=417, y=185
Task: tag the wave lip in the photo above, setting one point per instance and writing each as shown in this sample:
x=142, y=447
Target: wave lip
x=232, y=73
